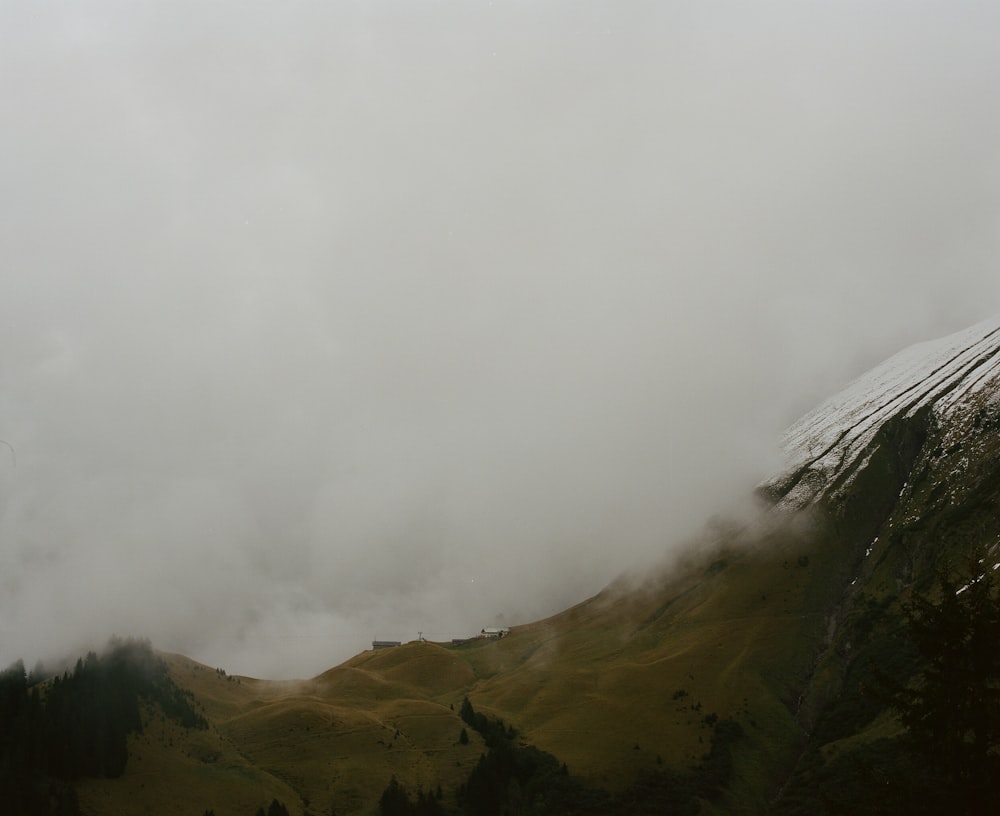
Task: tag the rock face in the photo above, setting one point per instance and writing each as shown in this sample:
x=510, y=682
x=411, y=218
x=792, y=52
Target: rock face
x=945, y=392
x=901, y=471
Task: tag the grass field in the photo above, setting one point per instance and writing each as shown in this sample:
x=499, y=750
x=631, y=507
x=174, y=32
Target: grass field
x=626, y=681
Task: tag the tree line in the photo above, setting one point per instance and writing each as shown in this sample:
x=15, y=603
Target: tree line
x=54, y=731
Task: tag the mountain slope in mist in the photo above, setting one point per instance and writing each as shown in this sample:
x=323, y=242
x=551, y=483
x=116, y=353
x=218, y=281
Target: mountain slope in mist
x=773, y=625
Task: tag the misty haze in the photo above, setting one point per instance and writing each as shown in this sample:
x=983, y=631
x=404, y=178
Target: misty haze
x=327, y=322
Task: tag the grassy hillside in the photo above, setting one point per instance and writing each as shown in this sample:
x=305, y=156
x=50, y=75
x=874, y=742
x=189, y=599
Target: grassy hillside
x=736, y=635
x=770, y=628
x=335, y=740
x=630, y=680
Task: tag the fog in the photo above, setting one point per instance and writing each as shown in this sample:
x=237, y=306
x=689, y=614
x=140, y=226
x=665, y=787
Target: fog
x=328, y=321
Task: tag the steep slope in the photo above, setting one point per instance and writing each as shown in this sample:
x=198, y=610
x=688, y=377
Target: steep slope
x=774, y=625
x=637, y=674
x=904, y=469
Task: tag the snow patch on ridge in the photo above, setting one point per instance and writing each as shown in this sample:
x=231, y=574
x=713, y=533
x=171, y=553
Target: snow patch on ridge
x=835, y=440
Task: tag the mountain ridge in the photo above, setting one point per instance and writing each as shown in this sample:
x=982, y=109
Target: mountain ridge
x=829, y=443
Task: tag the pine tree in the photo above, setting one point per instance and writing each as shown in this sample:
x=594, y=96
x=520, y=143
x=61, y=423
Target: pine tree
x=952, y=710
x=394, y=800
x=277, y=808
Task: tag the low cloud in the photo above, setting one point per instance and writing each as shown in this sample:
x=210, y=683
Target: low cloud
x=334, y=321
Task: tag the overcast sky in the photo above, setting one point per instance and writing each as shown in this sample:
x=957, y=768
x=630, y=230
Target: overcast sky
x=326, y=321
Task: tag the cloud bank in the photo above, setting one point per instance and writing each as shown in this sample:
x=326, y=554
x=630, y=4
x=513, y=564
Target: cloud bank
x=330, y=321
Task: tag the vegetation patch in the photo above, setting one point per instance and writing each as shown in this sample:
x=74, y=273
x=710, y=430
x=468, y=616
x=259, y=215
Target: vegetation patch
x=936, y=666
x=514, y=778
x=60, y=729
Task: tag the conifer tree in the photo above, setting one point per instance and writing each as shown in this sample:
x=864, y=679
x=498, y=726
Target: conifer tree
x=951, y=710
